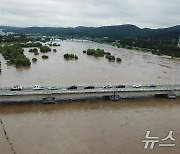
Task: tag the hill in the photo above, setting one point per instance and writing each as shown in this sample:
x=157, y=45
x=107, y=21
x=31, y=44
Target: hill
x=112, y=32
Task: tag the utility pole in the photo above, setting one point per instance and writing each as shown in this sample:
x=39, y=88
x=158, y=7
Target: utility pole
x=159, y=40
x=0, y=67
x=178, y=43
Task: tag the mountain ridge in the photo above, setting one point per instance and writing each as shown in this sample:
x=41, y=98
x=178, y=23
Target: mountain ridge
x=112, y=32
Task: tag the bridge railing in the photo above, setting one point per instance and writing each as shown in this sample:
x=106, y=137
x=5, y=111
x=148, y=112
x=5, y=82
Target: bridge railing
x=172, y=85
x=112, y=90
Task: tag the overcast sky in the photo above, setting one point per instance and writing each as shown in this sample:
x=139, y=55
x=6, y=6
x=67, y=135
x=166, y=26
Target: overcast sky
x=72, y=13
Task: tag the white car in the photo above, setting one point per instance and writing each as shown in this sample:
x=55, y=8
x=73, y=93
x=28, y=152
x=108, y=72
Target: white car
x=38, y=87
x=53, y=88
x=137, y=86
x=107, y=86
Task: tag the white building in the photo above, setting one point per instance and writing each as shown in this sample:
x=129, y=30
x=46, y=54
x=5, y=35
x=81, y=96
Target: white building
x=1, y=32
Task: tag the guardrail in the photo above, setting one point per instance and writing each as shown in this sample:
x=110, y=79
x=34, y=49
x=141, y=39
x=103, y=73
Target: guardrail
x=111, y=90
x=96, y=85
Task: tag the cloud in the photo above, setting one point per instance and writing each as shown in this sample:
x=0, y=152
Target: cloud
x=71, y=13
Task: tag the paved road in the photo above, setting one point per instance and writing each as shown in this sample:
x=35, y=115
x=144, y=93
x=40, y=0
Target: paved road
x=97, y=88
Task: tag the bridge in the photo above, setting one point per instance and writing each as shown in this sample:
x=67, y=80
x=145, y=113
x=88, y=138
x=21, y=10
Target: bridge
x=51, y=94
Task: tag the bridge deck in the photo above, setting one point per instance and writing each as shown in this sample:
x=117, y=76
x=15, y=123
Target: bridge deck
x=63, y=93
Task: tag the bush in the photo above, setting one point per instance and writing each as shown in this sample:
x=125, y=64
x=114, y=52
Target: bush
x=107, y=53
x=35, y=44
x=14, y=54
x=118, y=59
x=35, y=51
x=96, y=53
x=110, y=58
x=34, y=59
x=55, y=44
x=45, y=57
x=45, y=49
x=101, y=53
x=70, y=56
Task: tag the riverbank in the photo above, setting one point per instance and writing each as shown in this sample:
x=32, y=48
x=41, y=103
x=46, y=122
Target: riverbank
x=155, y=51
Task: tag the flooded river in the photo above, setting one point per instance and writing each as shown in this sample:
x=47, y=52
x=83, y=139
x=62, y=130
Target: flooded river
x=135, y=67
x=92, y=127
x=96, y=126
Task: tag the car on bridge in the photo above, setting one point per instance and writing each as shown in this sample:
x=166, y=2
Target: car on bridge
x=137, y=86
x=120, y=86
x=16, y=88
x=107, y=86
x=89, y=87
x=53, y=88
x=151, y=86
x=38, y=87
x=72, y=87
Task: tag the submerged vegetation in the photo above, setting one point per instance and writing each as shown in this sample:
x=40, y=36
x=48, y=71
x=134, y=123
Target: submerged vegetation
x=14, y=54
x=101, y=53
x=118, y=59
x=45, y=57
x=54, y=50
x=53, y=44
x=34, y=59
x=30, y=44
x=11, y=48
x=70, y=56
x=45, y=49
x=35, y=51
x=95, y=53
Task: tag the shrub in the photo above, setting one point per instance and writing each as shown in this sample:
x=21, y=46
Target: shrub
x=110, y=58
x=101, y=53
x=45, y=57
x=34, y=44
x=55, y=44
x=14, y=54
x=118, y=59
x=70, y=56
x=35, y=51
x=45, y=49
x=96, y=53
x=34, y=59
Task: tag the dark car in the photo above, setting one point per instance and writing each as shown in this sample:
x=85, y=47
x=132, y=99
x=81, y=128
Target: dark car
x=17, y=88
x=72, y=87
x=151, y=85
x=121, y=86
x=89, y=87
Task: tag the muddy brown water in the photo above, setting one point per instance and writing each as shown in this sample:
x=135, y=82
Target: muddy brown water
x=96, y=126
x=90, y=126
x=136, y=67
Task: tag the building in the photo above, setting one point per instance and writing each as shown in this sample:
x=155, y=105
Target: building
x=2, y=33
